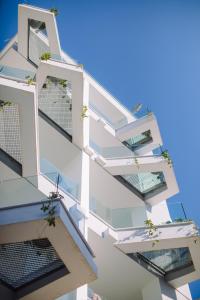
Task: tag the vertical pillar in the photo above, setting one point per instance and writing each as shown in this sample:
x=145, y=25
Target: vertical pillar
x=85, y=177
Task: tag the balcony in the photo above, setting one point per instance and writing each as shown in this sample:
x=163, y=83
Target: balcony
x=139, y=135
x=53, y=251
x=168, y=250
x=151, y=177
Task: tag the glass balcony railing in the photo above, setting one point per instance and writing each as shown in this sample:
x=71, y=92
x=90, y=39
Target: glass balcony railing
x=177, y=212
x=16, y=73
x=119, y=218
x=111, y=152
x=107, y=119
x=64, y=183
x=30, y=186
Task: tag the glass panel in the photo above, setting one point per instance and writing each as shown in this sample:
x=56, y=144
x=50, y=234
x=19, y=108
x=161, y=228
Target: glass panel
x=15, y=73
x=29, y=186
x=64, y=183
x=138, y=141
x=10, y=140
x=38, y=42
x=119, y=217
x=55, y=100
x=111, y=152
x=146, y=182
x=177, y=212
x=170, y=259
x=107, y=119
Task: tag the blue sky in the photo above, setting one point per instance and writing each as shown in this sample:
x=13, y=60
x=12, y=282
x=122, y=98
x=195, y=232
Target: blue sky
x=141, y=51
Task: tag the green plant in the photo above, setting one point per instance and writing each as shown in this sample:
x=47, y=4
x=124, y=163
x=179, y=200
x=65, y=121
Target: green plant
x=84, y=112
x=165, y=155
x=49, y=209
x=4, y=103
x=136, y=162
x=63, y=83
x=151, y=227
x=30, y=81
x=151, y=230
x=54, y=10
x=45, y=56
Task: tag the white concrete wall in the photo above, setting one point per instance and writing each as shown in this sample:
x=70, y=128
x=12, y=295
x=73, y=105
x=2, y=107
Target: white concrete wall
x=158, y=289
x=152, y=290
x=158, y=213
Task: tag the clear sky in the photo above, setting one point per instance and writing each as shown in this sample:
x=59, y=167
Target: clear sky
x=141, y=51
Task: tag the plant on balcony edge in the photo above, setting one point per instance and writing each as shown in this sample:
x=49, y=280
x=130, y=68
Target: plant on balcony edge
x=49, y=209
x=54, y=11
x=45, y=56
x=4, y=103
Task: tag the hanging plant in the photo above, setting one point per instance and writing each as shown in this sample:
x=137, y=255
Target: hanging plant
x=45, y=56
x=136, y=162
x=84, y=112
x=63, y=83
x=49, y=209
x=54, y=11
x=4, y=103
x=30, y=81
x=152, y=229
x=165, y=155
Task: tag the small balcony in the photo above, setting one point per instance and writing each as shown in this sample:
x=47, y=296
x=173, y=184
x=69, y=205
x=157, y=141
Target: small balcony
x=46, y=231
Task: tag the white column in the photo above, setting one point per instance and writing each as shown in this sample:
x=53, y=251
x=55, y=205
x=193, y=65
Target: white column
x=85, y=178
x=81, y=293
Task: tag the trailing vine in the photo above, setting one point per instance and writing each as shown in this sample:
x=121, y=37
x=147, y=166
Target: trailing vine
x=4, y=103
x=54, y=11
x=49, y=209
x=84, y=112
x=165, y=155
x=63, y=83
x=152, y=229
x=30, y=81
x=136, y=162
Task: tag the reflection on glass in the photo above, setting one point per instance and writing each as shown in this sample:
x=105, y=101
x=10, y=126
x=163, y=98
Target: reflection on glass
x=136, y=142
x=16, y=73
x=119, y=217
x=146, y=182
x=170, y=259
x=64, y=183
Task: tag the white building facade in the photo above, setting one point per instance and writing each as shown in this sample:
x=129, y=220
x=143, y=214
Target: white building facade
x=83, y=196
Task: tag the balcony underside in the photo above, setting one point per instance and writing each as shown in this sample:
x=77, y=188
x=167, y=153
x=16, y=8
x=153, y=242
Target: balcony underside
x=169, y=250
x=51, y=260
